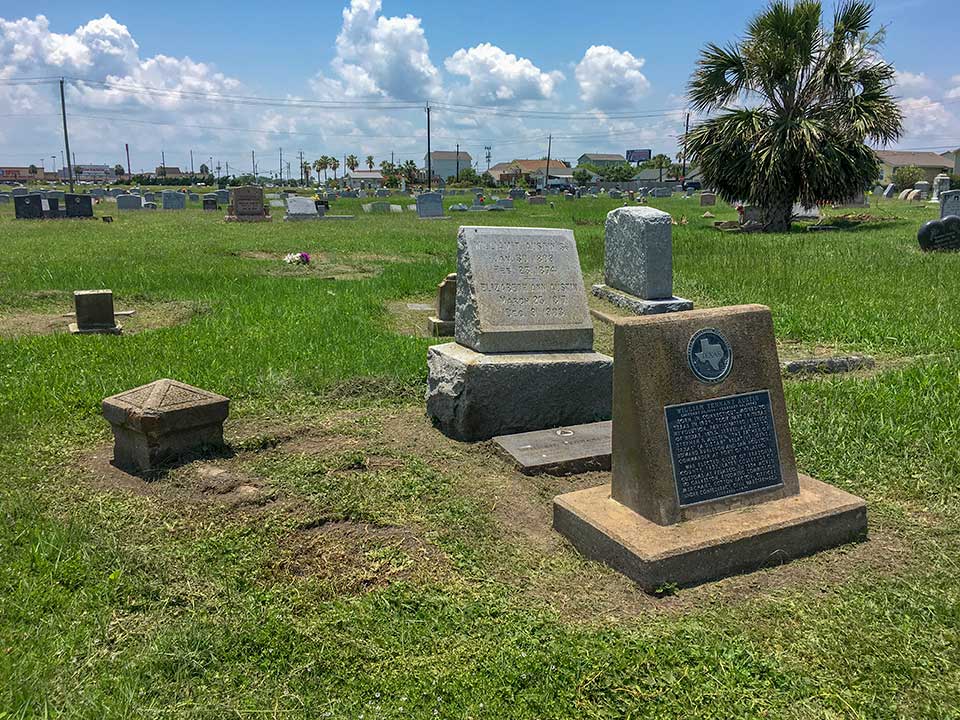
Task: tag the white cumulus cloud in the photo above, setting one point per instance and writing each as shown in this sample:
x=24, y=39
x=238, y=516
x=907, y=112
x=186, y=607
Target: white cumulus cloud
x=610, y=79
x=496, y=76
x=386, y=56
x=908, y=81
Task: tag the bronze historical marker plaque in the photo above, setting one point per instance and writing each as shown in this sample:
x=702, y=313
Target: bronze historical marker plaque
x=723, y=447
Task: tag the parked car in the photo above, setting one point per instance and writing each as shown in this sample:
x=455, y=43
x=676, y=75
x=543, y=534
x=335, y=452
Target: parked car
x=692, y=185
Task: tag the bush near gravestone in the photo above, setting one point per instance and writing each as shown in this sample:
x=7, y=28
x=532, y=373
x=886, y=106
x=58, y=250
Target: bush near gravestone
x=954, y=182
x=907, y=176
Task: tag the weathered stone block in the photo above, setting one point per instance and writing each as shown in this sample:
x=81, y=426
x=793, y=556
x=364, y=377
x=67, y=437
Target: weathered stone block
x=155, y=424
x=475, y=396
x=638, y=252
x=95, y=315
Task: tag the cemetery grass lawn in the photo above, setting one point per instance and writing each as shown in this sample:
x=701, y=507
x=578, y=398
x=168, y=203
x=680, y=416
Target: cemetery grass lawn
x=348, y=561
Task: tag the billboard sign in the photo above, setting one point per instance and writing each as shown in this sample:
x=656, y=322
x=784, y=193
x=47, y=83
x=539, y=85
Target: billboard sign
x=638, y=156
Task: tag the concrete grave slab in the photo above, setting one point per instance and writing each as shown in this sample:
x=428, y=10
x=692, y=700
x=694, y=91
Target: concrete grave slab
x=560, y=451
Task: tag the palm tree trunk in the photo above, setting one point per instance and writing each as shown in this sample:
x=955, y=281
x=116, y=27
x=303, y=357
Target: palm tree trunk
x=778, y=213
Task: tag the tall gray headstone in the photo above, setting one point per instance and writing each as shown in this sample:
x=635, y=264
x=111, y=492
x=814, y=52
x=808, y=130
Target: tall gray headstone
x=949, y=203
x=430, y=205
x=638, y=262
x=129, y=202
x=941, y=184
x=173, y=200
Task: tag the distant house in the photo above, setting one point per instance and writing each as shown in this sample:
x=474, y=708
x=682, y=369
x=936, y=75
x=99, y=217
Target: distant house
x=931, y=163
x=363, y=179
x=953, y=158
x=444, y=163
x=510, y=173
x=170, y=172
x=601, y=159
x=559, y=175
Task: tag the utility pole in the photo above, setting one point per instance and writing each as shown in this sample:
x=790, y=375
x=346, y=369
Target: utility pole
x=66, y=136
x=458, y=162
x=685, y=148
x=127, y=146
x=191, y=162
x=163, y=164
x=281, y=166
x=391, y=157
x=488, y=148
x=253, y=164
x=546, y=175
x=429, y=163
x=301, y=168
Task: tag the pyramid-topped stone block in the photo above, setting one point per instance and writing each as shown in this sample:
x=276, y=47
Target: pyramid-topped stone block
x=156, y=424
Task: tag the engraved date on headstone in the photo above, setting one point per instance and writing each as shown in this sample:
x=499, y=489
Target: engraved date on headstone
x=723, y=447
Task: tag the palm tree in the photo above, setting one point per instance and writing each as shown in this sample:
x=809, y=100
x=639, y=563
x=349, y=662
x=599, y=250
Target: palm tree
x=821, y=94
x=659, y=162
x=410, y=170
x=334, y=164
x=320, y=165
x=370, y=162
x=352, y=162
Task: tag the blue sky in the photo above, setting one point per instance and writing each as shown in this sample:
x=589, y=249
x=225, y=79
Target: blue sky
x=614, y=73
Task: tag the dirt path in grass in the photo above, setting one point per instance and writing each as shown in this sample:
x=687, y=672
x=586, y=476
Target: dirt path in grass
x=522, y=552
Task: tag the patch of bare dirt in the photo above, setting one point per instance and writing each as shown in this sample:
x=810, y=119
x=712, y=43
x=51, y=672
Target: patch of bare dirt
x=194, y=488
x=357, y=557
x=147, y=316
x=351, y=558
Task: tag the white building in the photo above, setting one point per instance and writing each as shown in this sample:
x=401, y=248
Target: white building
x=362, y=179
x=90, y=173
x=443, y=163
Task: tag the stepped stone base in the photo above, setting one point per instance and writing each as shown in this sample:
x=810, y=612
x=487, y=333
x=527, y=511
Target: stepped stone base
x=639, y=306
x=476, y=396
x=114, y=330
x=440, y=328
x=713, y=546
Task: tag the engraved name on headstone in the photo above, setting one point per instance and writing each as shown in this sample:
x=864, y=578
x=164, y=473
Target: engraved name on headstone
x=520, y=290
x=949, y=203
x=940, y=234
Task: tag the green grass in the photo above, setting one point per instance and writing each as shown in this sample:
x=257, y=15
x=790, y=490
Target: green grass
x=115, y=603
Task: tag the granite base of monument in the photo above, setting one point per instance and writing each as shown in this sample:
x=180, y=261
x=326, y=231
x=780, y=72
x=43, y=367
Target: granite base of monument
x=639, y=306
x=476, y=396
x=714, y=546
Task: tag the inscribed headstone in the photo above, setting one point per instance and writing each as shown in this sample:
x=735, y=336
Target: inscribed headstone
x=520, y=290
